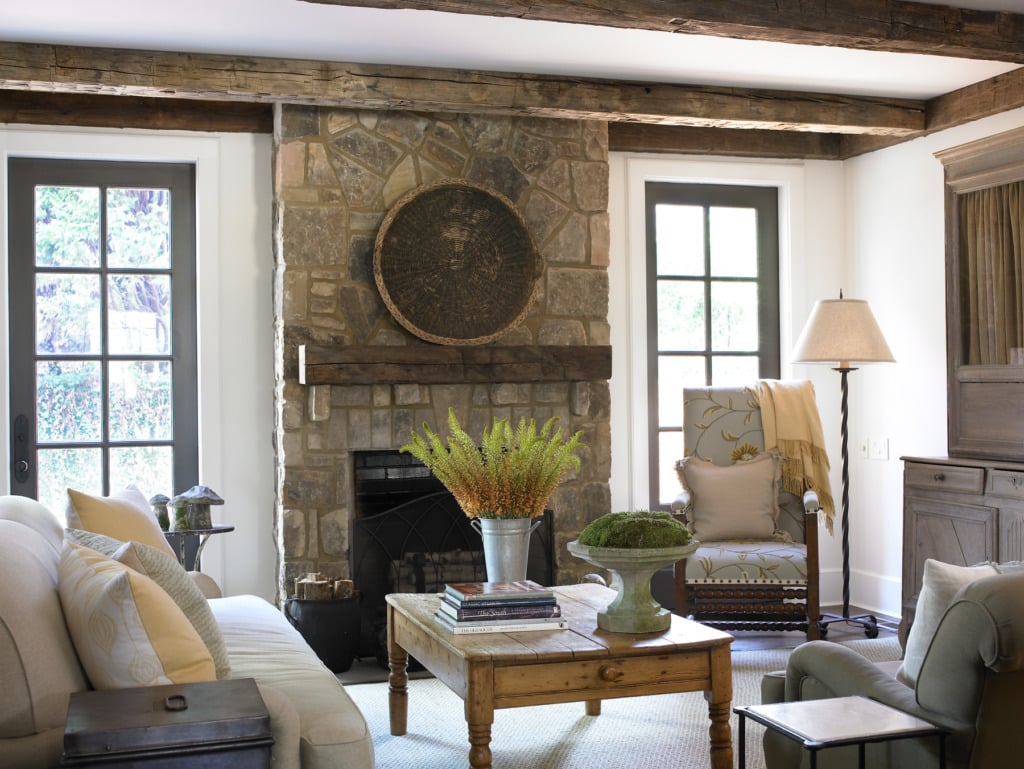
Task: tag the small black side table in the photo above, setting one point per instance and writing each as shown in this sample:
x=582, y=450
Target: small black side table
x=828, y=723
x=189, y=543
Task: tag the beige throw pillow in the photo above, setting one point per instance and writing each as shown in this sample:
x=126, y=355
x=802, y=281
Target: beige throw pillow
x=125, y=515
x=739, y=501
x=127, y=631
x=940, y=584
x=175, y=581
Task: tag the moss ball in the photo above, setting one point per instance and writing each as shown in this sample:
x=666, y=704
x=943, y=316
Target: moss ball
x=641, y=528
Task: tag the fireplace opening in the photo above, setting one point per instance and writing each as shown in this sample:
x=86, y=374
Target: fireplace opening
x=409, y=535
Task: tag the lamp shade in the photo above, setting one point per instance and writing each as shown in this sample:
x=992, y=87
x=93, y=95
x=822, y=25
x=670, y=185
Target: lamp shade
x=842, y=331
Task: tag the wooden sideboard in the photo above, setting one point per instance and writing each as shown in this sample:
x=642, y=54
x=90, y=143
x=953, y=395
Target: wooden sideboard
x=960, y=511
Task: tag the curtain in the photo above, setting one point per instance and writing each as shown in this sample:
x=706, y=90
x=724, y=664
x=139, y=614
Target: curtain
x=992, y=274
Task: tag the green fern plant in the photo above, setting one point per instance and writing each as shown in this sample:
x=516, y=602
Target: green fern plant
x=509, y=473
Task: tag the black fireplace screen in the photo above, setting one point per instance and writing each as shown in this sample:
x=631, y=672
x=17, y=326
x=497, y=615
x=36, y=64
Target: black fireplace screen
x=416, y=547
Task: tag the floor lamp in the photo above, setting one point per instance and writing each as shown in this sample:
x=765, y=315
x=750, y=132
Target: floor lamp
x=840, y=332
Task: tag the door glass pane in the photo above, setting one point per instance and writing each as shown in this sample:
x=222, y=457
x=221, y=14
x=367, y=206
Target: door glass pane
x=734, y=369
x=138, y=228
x=734, y=316
x=67, y=314
x=680, y=239
x=733, y=234
x=139, y=314
x=68, y=401
x=680, y=315
x=674, y=373
x=140, y=400
x=67, y=226
x=670, y=449
x=80, y=469
x=150, y=468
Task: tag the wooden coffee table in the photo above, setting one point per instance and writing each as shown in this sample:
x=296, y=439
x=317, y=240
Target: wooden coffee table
x=507, y=670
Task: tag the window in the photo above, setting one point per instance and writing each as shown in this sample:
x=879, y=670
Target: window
x=713, y=302
x=103, y=327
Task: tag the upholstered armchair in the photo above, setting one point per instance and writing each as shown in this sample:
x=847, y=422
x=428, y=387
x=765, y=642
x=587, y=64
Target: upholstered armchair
x=757, y=565
x=969, y=679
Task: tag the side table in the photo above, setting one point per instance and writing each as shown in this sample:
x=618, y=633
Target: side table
x=828, y=723
x=189, y=543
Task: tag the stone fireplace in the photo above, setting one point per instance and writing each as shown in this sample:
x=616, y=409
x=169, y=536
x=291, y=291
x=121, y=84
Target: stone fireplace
x=337, y=174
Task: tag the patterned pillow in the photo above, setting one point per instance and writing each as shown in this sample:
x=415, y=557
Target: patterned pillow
x=739, y=501
x=175, y=581
x=125, y=516
x=126, y=629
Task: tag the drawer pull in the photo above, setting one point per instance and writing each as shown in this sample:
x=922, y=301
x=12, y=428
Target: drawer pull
x=939, y=477
x=609, y=673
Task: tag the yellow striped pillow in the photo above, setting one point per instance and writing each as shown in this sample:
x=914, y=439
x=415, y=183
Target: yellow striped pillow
x=127, y=631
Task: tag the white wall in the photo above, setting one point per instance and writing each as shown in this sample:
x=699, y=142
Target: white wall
x=896, y=257
x=236, y=371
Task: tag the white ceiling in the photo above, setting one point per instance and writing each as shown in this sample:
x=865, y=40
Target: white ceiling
x=295, y=29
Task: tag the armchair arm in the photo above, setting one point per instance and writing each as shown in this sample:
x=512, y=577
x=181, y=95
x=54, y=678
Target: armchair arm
x=683, y=501
x=819, y=669
x=811, y=504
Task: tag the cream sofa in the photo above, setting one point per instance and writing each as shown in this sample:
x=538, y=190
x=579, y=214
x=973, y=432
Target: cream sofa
x=315, y=724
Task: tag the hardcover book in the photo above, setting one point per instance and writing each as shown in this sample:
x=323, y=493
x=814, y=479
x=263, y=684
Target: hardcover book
x=520, y=609
x=489, y=591
x=501, y=626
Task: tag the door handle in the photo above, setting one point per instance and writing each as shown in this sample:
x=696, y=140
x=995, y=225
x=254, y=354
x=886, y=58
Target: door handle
x=21, y=449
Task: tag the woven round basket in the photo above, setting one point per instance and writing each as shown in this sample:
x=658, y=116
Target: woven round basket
x=455, y=263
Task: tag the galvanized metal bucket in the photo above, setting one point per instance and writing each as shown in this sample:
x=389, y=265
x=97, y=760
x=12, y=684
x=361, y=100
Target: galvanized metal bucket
x=506, y=546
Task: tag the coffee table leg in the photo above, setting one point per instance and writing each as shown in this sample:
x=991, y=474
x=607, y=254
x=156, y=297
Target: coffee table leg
x=719, y=698
x=480, y=714
x=593, y=707
x=398, y=681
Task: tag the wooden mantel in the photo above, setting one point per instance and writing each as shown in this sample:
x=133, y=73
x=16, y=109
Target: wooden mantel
x=439, y=364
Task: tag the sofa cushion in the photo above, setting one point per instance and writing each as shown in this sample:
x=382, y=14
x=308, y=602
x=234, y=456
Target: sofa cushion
x=168, y=574
x=263, y=645
x=739, y=501
x=125, y=516
x=939, y=585
x=38, y=666
x=126, y=629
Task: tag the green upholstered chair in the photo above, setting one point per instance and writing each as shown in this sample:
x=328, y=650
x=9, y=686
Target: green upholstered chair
x=970, y=680
x=757, y=565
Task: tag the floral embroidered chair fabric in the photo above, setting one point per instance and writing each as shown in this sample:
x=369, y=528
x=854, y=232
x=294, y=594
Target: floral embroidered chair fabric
x=757, y=564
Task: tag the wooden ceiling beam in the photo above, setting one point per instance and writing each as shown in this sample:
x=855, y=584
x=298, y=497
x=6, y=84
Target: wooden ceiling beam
x=637, y=137
x=873, y=25
x=97, y=111
x=155, y=74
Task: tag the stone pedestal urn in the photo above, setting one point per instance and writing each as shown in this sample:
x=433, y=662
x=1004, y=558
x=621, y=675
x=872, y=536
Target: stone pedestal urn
x=633, y=610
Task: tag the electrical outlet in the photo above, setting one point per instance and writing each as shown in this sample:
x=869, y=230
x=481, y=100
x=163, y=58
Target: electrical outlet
x=864, y=448
x=878, y=448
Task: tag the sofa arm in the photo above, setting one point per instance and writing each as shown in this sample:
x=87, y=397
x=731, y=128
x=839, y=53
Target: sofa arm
x=206, y=584
x=284, y=727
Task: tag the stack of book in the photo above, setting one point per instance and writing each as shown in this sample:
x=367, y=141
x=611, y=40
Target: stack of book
x=499, y=607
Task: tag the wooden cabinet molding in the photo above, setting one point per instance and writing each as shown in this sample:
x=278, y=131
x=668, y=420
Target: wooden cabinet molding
x=986, y=402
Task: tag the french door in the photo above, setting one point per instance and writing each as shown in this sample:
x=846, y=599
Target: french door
x=102, y=327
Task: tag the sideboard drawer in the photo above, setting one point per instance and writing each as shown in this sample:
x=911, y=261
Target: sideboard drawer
x=1006, y=483
x=968, y=480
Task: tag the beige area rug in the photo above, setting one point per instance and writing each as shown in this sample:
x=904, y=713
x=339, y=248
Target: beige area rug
x=669, y=730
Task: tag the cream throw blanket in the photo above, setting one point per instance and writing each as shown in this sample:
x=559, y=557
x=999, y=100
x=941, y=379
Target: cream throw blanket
x=791, y=423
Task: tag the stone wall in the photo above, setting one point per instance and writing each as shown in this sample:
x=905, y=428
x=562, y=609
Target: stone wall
x=337, y=174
